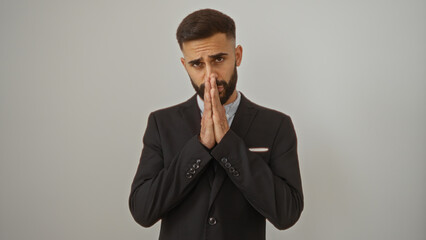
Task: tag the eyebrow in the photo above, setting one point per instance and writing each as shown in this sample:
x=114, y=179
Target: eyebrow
x=221, y=54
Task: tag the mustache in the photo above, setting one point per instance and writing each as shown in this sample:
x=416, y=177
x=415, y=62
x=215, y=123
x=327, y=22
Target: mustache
x=218, y=83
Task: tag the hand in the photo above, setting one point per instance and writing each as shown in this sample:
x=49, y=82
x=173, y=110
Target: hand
x=220, y=122
x=207, y=134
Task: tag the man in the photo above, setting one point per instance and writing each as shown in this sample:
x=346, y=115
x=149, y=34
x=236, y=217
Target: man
x=203, y=177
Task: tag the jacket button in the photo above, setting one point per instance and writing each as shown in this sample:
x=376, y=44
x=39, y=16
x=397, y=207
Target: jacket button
x=224, y=160
x=227, y=165
x=212, y=221
x=188, y=175
x=195, y=166
x=192, y=170
x=236, y=173
x=231, y=169
x=198, y=161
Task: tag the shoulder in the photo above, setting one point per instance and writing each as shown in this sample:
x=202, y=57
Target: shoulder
x=266, y=113
x=174, y=109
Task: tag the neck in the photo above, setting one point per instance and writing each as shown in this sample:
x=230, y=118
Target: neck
x=232, y=98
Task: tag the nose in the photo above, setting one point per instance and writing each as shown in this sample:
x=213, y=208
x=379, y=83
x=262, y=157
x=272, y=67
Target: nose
x=210, y=71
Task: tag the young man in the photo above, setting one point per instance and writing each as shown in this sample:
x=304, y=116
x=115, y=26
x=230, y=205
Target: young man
x=203, y=177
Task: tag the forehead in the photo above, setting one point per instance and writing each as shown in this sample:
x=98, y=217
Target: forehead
x=219, y=42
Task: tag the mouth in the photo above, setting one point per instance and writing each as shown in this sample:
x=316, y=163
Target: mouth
x=220, y=88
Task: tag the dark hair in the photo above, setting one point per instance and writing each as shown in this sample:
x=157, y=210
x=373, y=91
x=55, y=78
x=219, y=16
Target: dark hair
x=204, y=23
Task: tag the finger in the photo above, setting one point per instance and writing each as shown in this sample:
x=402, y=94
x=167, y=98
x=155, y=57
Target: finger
x=217, y=115
x=213, y=84
x=214, y=92
x=207, y=98
x=212, y=79
x=206, y=88
x=214, y=102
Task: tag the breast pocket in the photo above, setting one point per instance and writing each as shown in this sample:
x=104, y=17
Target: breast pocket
x=263, y=152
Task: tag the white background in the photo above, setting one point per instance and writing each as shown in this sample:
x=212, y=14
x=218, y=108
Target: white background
x=79, y=78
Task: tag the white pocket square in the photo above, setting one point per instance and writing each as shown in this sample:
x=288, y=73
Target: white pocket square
x=259, y=149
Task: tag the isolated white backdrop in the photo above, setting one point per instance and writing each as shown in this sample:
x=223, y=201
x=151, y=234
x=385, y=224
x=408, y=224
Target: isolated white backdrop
x=79, y=78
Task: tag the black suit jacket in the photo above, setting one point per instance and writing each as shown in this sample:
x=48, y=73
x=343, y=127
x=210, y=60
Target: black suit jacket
x=223, y=193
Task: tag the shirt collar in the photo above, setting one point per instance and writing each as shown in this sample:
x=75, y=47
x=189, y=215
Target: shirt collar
x=230, y=108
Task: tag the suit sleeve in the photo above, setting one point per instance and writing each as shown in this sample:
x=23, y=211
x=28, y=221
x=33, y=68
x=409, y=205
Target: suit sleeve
x=274, y=189
x=156, y=189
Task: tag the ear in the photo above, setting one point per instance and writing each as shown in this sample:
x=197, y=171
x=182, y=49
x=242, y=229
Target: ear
x=182, y=60
x=238, y=55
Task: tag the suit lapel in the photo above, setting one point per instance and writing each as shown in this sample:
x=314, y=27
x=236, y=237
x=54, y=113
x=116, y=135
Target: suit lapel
x=190, y=112
x=243, y=117
x=240, y=125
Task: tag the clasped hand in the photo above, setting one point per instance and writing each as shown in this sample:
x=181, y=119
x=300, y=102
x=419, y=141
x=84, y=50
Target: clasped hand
x=214, y=124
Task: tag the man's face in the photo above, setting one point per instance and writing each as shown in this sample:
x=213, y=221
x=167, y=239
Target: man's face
x=215, y=55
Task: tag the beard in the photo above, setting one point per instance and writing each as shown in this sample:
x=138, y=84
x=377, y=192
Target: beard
x=228, y=88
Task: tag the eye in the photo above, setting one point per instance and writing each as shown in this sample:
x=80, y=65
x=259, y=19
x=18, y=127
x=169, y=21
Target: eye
x=219, y=59
x=196, y=64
